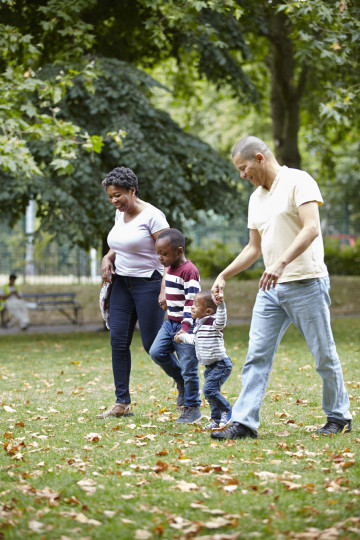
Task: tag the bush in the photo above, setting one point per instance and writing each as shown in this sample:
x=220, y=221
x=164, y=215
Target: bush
x=342, y=260
x=212, y=260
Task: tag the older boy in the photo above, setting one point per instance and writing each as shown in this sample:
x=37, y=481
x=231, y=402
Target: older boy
x=182, y=282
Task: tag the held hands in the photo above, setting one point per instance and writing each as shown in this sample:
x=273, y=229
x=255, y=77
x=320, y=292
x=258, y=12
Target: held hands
x=217, y=290
x=176, y=337
x=162, y=300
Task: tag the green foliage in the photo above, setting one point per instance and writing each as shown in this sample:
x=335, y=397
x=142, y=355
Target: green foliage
x=342, y=260
x=57, y=142
x=211, y=260
x=177, y=172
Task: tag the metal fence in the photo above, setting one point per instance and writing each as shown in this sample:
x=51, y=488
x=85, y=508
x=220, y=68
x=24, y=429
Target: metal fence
x=53, y=264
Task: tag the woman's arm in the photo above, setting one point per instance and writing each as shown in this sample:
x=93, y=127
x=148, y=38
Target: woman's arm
x=107, y=265
x=162, y=295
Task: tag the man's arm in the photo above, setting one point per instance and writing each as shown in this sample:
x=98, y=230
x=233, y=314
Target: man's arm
x=309, y=217
x=246, y=258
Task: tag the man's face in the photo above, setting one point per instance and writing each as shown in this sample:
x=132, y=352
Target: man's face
x=168, y=256
x=251, y=169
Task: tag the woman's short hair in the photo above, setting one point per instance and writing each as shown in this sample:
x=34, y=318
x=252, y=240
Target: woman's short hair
x=176, y=238
x=122, y=177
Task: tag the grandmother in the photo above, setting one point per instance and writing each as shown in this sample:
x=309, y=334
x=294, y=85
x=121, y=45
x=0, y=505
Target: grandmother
x=133, y=267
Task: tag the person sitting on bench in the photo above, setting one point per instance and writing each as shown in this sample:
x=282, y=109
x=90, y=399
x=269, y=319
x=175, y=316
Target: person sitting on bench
x=16, y=306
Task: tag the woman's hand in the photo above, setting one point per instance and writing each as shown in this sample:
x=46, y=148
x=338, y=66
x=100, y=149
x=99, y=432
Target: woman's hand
x=162, y=300
x=107, y=266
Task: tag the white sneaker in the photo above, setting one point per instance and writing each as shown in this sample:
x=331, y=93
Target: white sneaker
x=212, y=425
x=225, y=419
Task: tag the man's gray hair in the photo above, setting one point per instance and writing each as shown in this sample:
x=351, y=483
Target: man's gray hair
x=249, y=146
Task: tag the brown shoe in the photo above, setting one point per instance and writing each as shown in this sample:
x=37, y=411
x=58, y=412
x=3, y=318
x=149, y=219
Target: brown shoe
x=119, y=409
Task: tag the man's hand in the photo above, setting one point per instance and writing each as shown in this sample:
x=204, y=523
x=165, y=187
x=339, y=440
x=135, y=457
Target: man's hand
x=271, y=276
x=217, y=290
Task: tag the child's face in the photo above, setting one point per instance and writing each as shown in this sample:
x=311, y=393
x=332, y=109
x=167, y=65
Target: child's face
x=199, y=308
x=168, y=256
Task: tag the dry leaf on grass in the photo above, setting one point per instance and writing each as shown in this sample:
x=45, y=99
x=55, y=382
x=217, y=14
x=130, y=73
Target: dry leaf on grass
x=35, y=526
x=8, y=409
x=93, y=437
x=219, y=536
x=88, y=485
x=141, y=534
x=181, y=485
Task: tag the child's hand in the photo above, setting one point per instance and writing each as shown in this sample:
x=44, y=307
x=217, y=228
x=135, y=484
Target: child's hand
x=176, y=337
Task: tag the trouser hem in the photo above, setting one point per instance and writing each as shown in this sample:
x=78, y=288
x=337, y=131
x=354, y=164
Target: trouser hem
x=338, y=421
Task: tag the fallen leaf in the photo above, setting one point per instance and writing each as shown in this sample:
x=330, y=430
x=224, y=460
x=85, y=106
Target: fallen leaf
x=141, y=534
x=35, y=526
x=8, y=409
x=88, y=485
x=181, y=485
x=93, y=437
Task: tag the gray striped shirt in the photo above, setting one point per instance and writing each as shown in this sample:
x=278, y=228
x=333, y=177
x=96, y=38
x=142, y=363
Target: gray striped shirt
x=208, y=337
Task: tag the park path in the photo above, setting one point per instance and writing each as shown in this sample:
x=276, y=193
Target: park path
x=98, y=327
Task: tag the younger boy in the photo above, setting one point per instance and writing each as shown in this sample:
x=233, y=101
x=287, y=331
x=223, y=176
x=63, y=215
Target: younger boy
x=182, y=282
x=210, y=350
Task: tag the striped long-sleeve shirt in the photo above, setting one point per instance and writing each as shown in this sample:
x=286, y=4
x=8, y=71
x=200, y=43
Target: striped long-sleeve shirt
x=208, y=337
x=181, y=284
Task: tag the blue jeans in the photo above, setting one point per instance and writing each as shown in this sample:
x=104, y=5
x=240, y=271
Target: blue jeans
x=215, y=375
x=132, y=299
x=306, y=304
x=185, y=369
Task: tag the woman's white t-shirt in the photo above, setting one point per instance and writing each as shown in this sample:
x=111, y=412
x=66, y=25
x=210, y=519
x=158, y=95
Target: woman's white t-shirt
x=134, y=245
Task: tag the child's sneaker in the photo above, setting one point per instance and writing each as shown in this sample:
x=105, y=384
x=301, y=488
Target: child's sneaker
x=225, y=419
x=212, y=425
x=189, y=415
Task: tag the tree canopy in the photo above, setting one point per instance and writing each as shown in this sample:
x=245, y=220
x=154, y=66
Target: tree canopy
x=75, y=101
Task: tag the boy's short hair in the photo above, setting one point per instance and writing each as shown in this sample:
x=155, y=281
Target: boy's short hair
x=207, y=298
x=176, y=238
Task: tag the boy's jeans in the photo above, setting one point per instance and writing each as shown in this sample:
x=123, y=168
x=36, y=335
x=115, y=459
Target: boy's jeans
x=186, y=369
x=306, y=304
x=215, y=375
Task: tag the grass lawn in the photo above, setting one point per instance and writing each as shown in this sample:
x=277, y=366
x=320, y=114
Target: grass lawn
x=66, y=475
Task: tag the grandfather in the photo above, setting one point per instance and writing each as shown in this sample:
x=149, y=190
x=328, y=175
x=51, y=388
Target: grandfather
x=283, y=219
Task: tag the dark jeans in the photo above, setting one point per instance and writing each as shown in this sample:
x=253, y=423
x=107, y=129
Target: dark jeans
x=132, y=299
x=215, y=375
x=186, y=369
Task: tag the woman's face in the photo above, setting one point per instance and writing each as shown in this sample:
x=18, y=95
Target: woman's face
x=121, y=198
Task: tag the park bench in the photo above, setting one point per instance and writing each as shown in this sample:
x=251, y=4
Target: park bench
x=65, y=302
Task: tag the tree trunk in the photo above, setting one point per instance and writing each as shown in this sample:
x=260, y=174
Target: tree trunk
x=285, y=96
